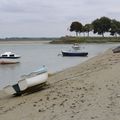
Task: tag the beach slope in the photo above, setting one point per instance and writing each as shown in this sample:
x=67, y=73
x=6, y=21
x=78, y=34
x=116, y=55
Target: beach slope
x=89, y=91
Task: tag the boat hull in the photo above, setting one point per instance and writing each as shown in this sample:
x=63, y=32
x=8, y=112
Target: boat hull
x=9, y=61
x=33, y=79
x=29, y=82
x=12, y=89
x=72, y=54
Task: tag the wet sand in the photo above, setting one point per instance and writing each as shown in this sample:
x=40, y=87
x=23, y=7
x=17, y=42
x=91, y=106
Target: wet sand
x=89, y=91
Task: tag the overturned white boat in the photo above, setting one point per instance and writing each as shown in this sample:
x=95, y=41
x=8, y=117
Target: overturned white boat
x=35, y=78
x=9, y=58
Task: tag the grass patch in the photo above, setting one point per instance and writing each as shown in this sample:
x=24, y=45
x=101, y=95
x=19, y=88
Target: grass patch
x=71, y=40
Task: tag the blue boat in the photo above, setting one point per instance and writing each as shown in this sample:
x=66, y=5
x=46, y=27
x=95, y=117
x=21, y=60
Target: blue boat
x=74, y=53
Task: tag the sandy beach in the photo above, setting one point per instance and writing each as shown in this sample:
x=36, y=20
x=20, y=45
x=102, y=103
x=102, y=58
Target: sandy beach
x=89, y=91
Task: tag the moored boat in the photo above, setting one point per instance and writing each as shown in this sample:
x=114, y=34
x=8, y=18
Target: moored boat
x=9, y=58
x=76, y=46
x=74, y=53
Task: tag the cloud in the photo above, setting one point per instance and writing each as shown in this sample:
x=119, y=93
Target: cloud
x=42, y=14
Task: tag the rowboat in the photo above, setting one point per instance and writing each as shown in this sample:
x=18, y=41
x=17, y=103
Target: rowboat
x=34, y=78
x=9, y=58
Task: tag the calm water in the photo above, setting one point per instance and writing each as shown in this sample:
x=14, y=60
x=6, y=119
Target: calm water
x=34, y=56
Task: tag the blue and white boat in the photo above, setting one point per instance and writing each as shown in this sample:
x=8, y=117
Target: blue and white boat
x=76, y=46
x=34, y=78
x=9, y=58
x=75, y=51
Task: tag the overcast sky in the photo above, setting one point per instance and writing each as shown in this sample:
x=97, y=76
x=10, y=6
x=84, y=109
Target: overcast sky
x=51, y=18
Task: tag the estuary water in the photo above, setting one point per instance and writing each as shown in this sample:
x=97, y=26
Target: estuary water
x=33, y=56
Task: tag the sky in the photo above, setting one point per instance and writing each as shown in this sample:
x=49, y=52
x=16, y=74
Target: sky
x=51, y=18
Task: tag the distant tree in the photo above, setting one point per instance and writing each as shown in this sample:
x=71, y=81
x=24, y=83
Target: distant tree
x=88, y=28
x=96, y=26
x=118, y=30
x=83, y=30
x=77, y=27
x=101, y=25
x=115, y=28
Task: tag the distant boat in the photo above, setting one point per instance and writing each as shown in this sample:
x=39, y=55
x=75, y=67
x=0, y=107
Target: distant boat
x=34, y=78
x=74, y=53
x=9, y=58
x=76, y=46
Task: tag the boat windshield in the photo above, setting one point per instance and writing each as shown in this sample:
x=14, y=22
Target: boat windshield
x=12, y=55
x=4, y=55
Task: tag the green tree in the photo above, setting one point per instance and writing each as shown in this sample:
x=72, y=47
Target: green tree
x=88, y=28
x=115, y=28
x=101, y=25
x=77, y=27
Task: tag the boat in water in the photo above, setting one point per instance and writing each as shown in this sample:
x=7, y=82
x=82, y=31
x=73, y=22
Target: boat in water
x=76, y=46
x=75, y=51
x=9, y=58
x=34, y=78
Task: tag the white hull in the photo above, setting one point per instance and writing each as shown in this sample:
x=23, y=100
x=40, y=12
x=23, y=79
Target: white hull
x=36, y=80
x=9, y=61
x=9, y=89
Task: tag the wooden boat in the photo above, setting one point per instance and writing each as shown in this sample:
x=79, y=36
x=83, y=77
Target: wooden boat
x=9, y=58
x=74, y=53
x=35, y=78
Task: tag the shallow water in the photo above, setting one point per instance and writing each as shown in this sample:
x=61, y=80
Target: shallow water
x=34, y=56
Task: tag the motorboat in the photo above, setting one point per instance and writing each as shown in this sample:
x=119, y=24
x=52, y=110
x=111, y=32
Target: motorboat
x=74, y=53
x=9, y=58
x=30, y=80
x=76, y=46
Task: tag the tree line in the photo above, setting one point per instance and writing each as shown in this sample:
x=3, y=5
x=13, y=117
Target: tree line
x=99, y=26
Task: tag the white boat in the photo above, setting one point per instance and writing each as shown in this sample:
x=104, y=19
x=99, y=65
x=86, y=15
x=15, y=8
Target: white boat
x=76, y=46
x=9, y=58
x=35, y=78
x=12, y=89
x=74, y=52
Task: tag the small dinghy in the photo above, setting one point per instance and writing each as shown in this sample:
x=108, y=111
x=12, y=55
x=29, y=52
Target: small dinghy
x=34, y=78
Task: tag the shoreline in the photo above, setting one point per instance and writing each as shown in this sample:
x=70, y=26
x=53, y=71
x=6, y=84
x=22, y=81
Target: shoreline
x=87, y=91
x=26, y=42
